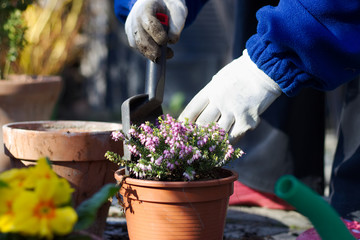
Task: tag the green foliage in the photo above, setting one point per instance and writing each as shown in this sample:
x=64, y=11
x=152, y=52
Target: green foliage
x=12, y=31
x=12, y=236
x=88, y=209
x=3, y=184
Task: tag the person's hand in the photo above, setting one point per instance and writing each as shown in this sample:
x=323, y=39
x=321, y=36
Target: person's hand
x=144, y=30
x=235, y=97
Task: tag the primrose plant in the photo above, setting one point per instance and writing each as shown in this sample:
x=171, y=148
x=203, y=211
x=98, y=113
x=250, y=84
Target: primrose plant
x=35, y=204
x=172, y=150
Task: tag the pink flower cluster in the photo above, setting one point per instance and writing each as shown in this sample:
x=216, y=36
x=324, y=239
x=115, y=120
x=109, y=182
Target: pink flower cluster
x=175, y=150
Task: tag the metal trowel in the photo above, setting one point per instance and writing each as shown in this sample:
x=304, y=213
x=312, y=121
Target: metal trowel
x=147, y=106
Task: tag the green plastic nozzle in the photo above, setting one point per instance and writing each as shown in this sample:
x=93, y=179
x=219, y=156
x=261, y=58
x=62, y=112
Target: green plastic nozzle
x=326, y=221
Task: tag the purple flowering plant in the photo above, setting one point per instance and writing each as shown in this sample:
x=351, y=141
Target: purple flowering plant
x=172, y=150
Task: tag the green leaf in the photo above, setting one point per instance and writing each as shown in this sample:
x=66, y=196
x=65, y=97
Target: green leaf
x=3, y=184
x=87, y=210
x=14, y=236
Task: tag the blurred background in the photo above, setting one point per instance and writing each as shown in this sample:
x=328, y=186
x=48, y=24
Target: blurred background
x=101, y=71
x=83, y=41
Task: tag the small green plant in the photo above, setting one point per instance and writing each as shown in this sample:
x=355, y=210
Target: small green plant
x=12, y=32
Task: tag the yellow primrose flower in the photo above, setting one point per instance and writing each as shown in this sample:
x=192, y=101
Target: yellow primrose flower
x=42, y=170
x=15, y=177
x=41, y=213
x=7, y=196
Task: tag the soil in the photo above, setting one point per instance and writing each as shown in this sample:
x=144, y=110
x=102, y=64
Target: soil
x=216, y=173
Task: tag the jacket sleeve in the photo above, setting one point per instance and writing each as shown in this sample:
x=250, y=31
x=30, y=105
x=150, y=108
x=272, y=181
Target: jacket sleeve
x=123, y=7
x=307, y=43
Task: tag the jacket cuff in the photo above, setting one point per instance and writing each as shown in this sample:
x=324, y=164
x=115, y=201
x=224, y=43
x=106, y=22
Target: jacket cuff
x=290, y=78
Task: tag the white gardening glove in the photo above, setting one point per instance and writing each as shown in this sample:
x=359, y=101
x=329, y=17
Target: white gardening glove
x=235, y=97
x=144, y=30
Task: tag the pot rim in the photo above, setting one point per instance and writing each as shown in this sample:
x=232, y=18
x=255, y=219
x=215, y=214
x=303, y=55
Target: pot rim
x=176, y=184
x=69, y=127
x=60, y=140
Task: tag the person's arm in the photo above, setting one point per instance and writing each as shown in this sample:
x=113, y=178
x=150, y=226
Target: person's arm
x=299, y=43
x=306, y=43
x=122, y=8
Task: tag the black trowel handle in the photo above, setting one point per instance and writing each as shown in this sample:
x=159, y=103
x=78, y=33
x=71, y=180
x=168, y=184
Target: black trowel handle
x=155, y=71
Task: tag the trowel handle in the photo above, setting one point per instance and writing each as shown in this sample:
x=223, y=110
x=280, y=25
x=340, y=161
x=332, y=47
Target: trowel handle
x=155, y=71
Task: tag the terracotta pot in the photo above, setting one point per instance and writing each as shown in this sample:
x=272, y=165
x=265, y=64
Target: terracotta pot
x=176, y=210
x=26, y=98
x=76, y=150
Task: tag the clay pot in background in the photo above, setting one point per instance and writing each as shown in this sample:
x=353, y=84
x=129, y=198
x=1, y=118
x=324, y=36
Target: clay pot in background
x=160, y=210
x=76, y=150
x=26, y=98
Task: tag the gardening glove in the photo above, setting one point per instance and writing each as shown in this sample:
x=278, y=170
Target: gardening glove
x=145, y=32
x=235, y=97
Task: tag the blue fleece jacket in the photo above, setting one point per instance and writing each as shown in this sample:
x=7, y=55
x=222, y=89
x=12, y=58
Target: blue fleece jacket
x=299, y=43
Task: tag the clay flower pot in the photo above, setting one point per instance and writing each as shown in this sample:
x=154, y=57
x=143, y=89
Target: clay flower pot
x=76, y=150
x=176, y=210
x=26, y=98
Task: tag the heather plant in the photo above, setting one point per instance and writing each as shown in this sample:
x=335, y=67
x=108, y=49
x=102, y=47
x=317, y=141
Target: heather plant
x=172, y=150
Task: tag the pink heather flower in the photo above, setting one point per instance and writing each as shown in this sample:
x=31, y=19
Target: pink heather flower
x=188, y=149
x=146, y=128
x=141, y=166
x=189, y=175
x=156, y=140
x=117, y=135
x=212, y=148
x=142, y=138
x=197, y=155
x=229, y=152
x=133, y=150
x=167, y=154
x=133, y=132
x=185, y=150
x=172, y=151
x=171, y=166
x=200, y=143
x=150, y=144
x=206, y=138
x=144, y=167
x=159, y=161
x=241, y=153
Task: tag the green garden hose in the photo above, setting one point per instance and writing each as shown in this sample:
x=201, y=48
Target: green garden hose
x=326, y=221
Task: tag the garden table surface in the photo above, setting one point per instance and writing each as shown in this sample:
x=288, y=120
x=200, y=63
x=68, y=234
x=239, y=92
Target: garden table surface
x=242, y=223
